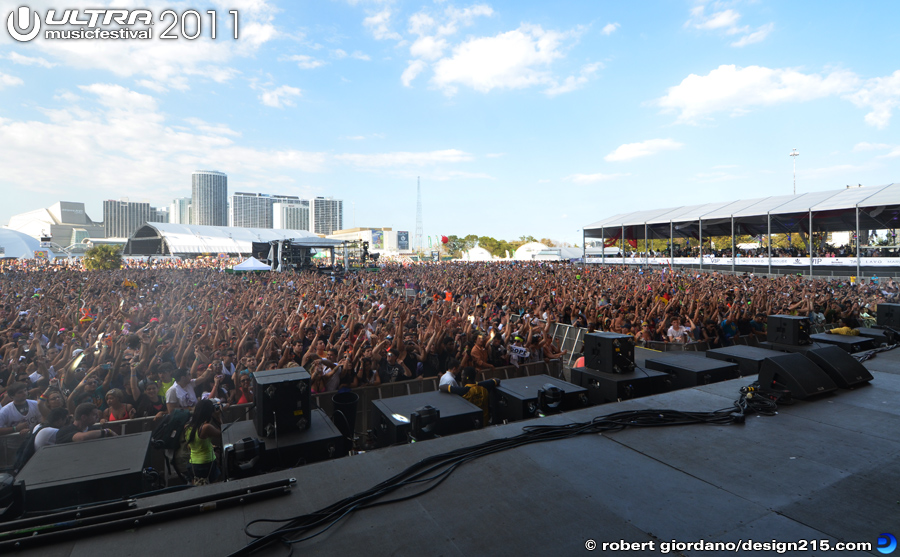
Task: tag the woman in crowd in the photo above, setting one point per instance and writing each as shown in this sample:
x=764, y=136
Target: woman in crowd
x=198, y=435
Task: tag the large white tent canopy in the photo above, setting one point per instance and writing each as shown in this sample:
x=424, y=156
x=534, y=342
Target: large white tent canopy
x=876, y=208
x=156, y=238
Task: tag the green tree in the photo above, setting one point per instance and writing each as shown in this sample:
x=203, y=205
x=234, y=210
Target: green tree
x=105, y=257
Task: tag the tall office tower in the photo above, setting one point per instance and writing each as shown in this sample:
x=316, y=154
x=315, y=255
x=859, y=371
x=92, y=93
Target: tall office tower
x=326, y=215
x=250, y=210
x=289, y=216
x=121, y=218
x=180, y=211
x=209, y=198
x=159, y=214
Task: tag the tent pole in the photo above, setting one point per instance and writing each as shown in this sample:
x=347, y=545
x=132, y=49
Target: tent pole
x=603, y=249
x=700, y=235
x=732, y=244
x=857, y=242
x=811, y=245
x=671, y=244
x=769, y=240
x=623, y=244
x=646, y=253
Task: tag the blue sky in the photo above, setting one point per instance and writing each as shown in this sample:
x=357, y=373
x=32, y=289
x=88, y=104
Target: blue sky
x=520, y=117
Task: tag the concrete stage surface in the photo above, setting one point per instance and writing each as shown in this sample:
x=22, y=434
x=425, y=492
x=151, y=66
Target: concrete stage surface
x=821, y=470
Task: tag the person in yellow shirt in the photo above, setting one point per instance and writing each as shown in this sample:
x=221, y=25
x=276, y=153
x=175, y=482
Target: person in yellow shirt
x=198, y=435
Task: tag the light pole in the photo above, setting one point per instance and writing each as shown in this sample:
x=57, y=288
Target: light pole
x=794, y=154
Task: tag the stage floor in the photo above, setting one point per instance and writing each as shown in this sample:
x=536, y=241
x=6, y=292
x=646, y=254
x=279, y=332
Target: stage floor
x=821, y=470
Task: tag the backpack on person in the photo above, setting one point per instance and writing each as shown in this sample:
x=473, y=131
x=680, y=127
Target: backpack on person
x=167, y=433
x=168, y=436
x=26, y=450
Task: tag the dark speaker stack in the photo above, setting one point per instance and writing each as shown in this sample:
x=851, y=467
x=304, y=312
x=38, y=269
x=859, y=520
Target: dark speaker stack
x=888, y=315
x=691, y=370
x=282, y=401
x=788, y=329
x=605, y=387
x=609, y=352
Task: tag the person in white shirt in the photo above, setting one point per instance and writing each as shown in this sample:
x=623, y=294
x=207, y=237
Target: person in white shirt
x=20, y=415
x=46, y=435
x=451, y=375
x=677, y=333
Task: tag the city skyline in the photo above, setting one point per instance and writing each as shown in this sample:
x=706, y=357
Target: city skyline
x=522, y=118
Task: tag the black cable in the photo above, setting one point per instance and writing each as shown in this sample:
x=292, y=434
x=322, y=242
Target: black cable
x=431, y=471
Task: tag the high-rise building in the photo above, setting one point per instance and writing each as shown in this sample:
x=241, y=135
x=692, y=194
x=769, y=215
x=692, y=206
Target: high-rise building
x=159, y=214
x=326, y=215
x=121, y=218
x=180, y=211
x=256, y=210
x=289, y=216
x=209, y=198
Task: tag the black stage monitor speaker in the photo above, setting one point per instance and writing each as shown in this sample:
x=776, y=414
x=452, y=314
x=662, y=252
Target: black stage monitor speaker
x=844, y=369
x=788, y=329
x=87, y=472
x=888, y=315
x=282, y=401
x=390, y=418
x=795, y=373
x=690, y=370
x=609, y=352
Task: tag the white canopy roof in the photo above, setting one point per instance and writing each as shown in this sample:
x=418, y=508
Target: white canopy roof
x=833, y=210
x=197, y=239
x=252, y=264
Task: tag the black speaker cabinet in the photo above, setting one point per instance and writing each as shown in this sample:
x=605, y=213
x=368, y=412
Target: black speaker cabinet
x=519, y=396
x=888, y=315
x=87, y=472
x=691, y=370
x=748, y=358
x=844, y=369
x=609, y=352
x=390, y=417
x=605, y=387
x=282, y=401
x=797, y=374
x=788, y=329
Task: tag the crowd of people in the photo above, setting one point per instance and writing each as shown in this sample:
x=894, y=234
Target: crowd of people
x=80, y=350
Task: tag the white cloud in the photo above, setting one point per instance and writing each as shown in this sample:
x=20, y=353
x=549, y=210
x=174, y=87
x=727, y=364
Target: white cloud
x=279, y=97
x=593, y=178
x=359, y=55
x=882, y=95
x=866, y=146
x=421, y=24
x=379, y=25
x=305, y=62
x=172, y=64
x=511, y=60
x=726, y=21
x=609, y=28
x=732, y=89
x=572, y=83
x=414, y=68
x=465, y=17
x=630, y=151
x=17, y=58
x=755, y=37
x=339, y=53
x=428, y=48
x=405, y=159
x=152, y=85
x=120, y=137
x=7, y=80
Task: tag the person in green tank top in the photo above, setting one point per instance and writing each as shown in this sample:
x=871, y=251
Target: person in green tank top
x=198, y=435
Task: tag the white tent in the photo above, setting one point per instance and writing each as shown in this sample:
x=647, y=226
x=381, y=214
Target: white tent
x=14, y=244
x=251, y=264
